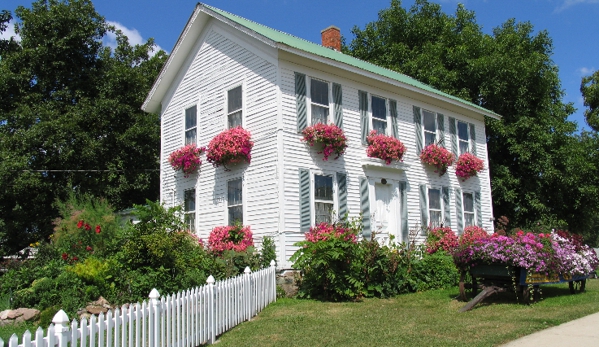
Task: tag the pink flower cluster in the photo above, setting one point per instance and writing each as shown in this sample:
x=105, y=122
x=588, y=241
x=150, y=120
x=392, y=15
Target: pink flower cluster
x=230, y=147
x=471, y=234
x=235, y=238
x=325, y=231
x=441, y=239
x=331, y=137
x=468, y=165
x=384, y=147
x=438, y=157
x=186, y=159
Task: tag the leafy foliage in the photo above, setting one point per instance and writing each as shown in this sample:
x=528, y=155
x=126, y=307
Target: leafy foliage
x=589, y=88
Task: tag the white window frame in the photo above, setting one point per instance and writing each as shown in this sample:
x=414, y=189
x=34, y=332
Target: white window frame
x=313, y=200
x=468, y=141
x=424, y=131
x=387, y=114
x=242, y=204
x=190, y=216
x=441, y=210
x=196, y=127
x=464, y=212
x=309, y=80
x=243, y=104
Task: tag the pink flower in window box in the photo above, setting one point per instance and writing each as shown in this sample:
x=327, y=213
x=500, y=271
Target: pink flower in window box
x=186, y=159
x=438, y=157
x=384, y=147
x=231, y=146
x=330, y=137
x=468, y=165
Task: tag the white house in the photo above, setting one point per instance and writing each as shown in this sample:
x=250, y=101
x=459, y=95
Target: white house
x=226, y=70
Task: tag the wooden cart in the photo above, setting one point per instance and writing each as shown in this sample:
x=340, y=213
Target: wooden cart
x=497, y=278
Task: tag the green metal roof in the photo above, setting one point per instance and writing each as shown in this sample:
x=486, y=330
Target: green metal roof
x=316, y=49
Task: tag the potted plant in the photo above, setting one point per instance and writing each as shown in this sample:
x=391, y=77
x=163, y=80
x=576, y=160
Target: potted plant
x=330, y=137
x=438, y=157
x=186, y=159
x=384, y=147
x=468, y=165
x=230, y=147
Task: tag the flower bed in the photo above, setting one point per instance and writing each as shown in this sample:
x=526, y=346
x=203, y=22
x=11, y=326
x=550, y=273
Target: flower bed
x=384, y=147
x=230, y=147
x=438, y=157
x=468, y=165
x=324, y=231
x=186, y=159
x=230, y=238
x=330, y=137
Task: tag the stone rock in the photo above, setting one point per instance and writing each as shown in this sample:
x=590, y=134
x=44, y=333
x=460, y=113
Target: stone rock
x=85, y=315
x=4, y=314
x=29, y=314
x=13, y=314
x=94, y=309
x=288, y=282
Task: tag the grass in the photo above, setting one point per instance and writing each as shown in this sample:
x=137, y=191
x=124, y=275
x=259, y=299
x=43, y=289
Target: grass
x=419, y=319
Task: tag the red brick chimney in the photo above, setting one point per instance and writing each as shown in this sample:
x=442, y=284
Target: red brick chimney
x=331, y=38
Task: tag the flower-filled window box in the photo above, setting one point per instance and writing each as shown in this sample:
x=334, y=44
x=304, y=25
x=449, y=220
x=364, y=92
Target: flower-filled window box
x=384, y=147
x=230, y=238
x=232, y=146
x=186, y=159
x=438, y=157
x=468, y=165
x=330, y=137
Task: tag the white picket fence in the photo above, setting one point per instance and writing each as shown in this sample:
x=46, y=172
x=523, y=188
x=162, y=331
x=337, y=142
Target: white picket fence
x=185, y=319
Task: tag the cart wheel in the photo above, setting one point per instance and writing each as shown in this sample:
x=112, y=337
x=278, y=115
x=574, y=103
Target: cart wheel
x=463, y=287
x=577, y=286
x=525, y=294
x=474, y=287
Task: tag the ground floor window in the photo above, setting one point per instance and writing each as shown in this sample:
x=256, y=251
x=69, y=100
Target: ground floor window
x=434, y=207
x=468, y=201
x=323, y=199
x=190, y=209
x=235, y=201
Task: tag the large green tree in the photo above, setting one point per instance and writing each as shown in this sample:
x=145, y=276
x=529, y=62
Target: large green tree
x=590, y=91
x=536, y=160
x=70, y=117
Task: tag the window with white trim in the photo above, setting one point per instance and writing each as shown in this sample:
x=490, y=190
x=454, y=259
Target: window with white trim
x=235, y=201
x=468, y=203
x=435, y=207
x=234, y=107
x=379, y=114
x=324, y=203
x=463, y=137
x=190, y=209
x=191, y=125
x=429, y=121
x=319, y=102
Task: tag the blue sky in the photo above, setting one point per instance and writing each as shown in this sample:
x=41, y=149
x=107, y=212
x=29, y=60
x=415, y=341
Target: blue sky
x=572, y=24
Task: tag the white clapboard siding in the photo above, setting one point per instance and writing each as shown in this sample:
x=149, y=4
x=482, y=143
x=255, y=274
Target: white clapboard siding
x=186, y=319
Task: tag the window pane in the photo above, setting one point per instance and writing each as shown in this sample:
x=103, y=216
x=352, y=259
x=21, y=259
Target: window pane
x=191, y=119
x=323, y=212
x=235, y=215
x=429, y=138
x=234, y=196
x=435, y=218
x=434, y=199
x=190, y=136
x=468, y=202
x=468, y=219
x=319, y=92
x=190, y=200
x=430, y=124
x=463, y=131
x=234, y=100
x=379, y=126
x=379, y=109
x=323, y=187
x=319, y=114
x=235, y=120
x=190, y=221
x=464, y=146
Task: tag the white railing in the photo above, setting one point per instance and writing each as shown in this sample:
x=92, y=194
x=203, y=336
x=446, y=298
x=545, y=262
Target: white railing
x=185, y=319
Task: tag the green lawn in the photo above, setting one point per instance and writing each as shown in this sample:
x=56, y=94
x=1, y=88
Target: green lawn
x=420, y=319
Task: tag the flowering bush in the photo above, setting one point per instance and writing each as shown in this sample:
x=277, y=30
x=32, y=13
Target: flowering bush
x=438, y=157
x=235, y=238
x=441, y=239
x=330, y=136
x=468, y=165
x=325, y=231
x=471, y=234
x=384, y=147
x=230, y=147
x=186, y=159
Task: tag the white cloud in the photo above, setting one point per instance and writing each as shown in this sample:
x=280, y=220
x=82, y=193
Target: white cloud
x=585, y=71
x=133, y=35
x=10, y=32
x=570, y=3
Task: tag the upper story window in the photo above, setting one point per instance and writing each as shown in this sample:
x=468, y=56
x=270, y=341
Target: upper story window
x=323, y=199
x=235, y=201
x=468, y=201
x=429, y=119
x=190, y=209
x=319, y=101
x=234, y=107
x=435, y=210
x=463, y=137
x=379, y=115
x=191, y=125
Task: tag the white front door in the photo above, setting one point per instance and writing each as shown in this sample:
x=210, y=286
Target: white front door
x=386, y=210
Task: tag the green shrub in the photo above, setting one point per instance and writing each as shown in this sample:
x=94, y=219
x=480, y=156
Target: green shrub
x=432, y=271
x=269, y=252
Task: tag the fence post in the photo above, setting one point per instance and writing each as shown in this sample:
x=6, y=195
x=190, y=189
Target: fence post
x=61, y=328
x=211, y=310
x=248, y=293
x=273, y=282
x=154, y=306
